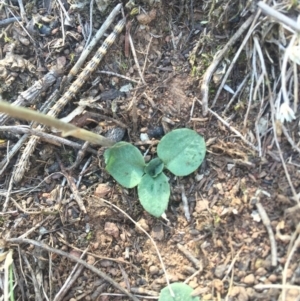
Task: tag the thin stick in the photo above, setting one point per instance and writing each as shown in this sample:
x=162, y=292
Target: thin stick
x=289, y=139
x=231, y=128
x=260, y=82
x=36, y=226
x=64, y=11
x=234, y=96
x=21, y=25
x=8, y=193
x=45, y=136
x=89, y=160
x=71, y=279
x=252, y=19
x=295, y=86
x=197, y=263
x=75, y=259
x=9, y=20
x=147, y=52
x=31, y=95
x=91, y=23
x=185, y=203
x=66, y=128
x=273, y=114
x=283, y=70
x=279, y=286
x=34, y=279
x=135, y=59
x=68, y=95
x=118, y=75
x=220, y=55
x=73, y=187
x=288, y=260
x=269, y=11
x=4, y=163
x=297, y=198
x=266, y=221
x=73, y=72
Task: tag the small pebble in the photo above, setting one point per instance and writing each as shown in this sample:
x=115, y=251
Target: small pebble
x=243, y=294
x=292, y=295
x=106, y=263
x=90, y=259
x=260, y=271
x=75, y=253
x=234, y=291
x=249, y=279
x=112, y=229
x=153, y=270
x=142, y=223
x=220, y=270
x=102, y=190
x=144, y=137
x=272, y=278
x=218, y=285
x=194, y=232
x=250, y=292
x=156, y=132
x=193, y=284
x=157, y=232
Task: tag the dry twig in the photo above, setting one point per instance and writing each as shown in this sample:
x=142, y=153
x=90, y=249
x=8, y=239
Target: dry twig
x=30, y=96
x=68, y=95
x=219, y=56
x=230, y=127
x=266, y=221
x=70, y=280
x=267, y=10
x=75, y=259
x=197, y=263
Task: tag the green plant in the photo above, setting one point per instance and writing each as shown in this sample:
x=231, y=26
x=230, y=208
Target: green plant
x=181, y=291
x=181, y=152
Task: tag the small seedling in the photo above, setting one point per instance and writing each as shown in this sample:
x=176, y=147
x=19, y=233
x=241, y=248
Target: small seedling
x=181, y=152
x=181, y=291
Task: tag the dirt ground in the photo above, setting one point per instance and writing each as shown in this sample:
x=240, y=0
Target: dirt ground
x=240, y=239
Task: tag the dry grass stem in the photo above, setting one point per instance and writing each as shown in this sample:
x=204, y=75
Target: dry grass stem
x=77, y=270
x=266, y=221
x=75, y=259
x=135, y=59
x=217, y=60
x=230, y=127
x=269, y=11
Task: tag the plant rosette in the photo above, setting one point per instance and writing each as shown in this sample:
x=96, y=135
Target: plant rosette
x=180, y=151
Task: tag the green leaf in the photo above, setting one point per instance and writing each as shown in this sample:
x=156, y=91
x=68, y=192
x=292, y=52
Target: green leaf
x=182, y=151
x=125, y=163
x=182, y=292
x=154, y=167
x=154, y=194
